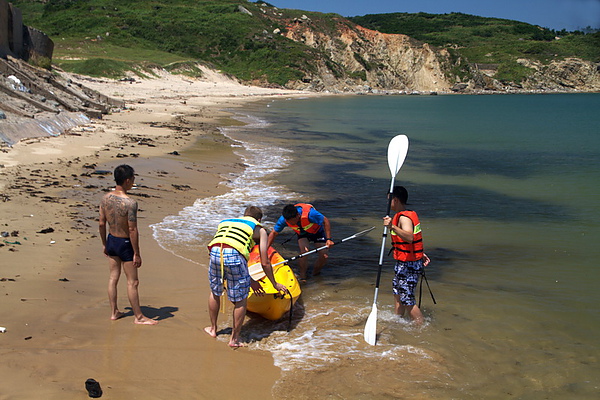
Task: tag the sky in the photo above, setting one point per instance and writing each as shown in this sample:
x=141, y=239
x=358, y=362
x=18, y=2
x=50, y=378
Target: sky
x=554, y=14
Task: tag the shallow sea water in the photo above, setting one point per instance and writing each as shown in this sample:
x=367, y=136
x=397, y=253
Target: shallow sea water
x=507, y=191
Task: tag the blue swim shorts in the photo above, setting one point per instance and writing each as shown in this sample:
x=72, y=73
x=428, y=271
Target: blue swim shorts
x=119, y=247
x=235, y=268
x=406, y=279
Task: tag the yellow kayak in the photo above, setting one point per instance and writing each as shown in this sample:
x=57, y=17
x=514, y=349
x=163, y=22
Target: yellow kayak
x=272, y=305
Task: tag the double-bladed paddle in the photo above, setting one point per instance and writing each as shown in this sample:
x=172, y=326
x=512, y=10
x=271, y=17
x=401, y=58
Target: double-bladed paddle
x=397, y=150
x=256, y=270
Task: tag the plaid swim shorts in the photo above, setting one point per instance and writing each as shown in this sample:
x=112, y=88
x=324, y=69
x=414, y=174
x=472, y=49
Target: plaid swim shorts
x=406, y=279
x=235, y=268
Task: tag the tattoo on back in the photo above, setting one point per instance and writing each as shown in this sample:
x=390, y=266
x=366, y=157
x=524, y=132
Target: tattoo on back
x=118, y=208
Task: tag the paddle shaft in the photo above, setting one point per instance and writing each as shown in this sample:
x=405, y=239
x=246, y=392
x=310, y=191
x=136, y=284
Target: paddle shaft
x=397, y=150
x=383, y=240
x=324, y=247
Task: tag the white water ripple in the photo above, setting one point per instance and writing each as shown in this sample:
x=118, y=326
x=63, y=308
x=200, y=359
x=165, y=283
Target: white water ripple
x=194, y=225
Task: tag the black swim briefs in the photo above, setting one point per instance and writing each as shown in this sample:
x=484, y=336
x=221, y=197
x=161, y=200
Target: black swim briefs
x=318, y=237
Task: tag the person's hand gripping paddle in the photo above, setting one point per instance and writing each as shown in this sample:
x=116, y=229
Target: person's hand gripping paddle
x=397, y=150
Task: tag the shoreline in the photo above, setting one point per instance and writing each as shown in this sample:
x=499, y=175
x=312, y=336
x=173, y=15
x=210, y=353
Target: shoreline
x=55, y=308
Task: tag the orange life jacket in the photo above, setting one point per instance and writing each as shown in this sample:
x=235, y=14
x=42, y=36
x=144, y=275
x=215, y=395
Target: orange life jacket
x=305, y=225
x=404, y=251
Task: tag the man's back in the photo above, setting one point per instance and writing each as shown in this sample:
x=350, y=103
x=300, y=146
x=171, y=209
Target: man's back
x=118, y=210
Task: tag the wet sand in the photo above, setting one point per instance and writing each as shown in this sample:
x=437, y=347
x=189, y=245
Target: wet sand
x=54, y=276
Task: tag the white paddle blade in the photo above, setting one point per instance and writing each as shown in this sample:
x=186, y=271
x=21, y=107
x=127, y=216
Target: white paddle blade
x=371, y=327
x=397, y=150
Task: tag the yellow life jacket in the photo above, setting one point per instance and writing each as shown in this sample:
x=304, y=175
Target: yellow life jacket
x=236, y=233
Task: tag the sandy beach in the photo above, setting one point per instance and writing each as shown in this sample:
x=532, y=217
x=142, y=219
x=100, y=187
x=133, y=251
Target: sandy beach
x=54, y=276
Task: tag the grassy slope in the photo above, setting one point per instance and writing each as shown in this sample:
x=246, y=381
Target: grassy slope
x=121, y=33
x=108, y=37
x=488, y=40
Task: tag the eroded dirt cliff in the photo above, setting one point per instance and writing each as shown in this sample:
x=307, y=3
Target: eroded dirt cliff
x=362, y=59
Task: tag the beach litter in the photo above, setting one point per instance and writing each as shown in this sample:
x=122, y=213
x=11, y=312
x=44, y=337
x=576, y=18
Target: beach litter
x=93, y=388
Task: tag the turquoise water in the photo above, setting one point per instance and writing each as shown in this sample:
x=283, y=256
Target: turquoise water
x=507, y=191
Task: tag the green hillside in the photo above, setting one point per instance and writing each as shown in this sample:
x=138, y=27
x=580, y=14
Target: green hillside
x=109, y=37
x=116, y=34
x=488, y=40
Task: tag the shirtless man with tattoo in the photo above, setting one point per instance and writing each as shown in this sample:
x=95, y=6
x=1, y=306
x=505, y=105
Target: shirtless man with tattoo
x=121, y=245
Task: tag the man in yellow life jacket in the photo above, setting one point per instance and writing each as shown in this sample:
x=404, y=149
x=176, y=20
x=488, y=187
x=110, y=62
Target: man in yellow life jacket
x=229, y=252
x=310, y=226
x=407, y=242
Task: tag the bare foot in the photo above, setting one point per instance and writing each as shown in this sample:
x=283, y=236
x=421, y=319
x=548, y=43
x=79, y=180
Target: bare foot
x=117, y=315
x=211, y=332
x=234, y=344
x=145, y=321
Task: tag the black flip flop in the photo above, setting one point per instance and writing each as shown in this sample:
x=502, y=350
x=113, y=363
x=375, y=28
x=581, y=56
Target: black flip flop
x=93, y=388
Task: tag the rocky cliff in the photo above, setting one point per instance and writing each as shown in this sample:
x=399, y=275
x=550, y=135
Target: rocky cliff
x=359, y=59
x=572, y=74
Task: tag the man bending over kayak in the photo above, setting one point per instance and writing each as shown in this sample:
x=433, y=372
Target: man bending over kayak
x=229, y=254
x=310, y=226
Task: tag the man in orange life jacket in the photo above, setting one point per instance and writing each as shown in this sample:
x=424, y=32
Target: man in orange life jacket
x=407, y=242
x=310, y=226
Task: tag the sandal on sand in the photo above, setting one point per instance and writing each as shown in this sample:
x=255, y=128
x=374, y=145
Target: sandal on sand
x=93, y=388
